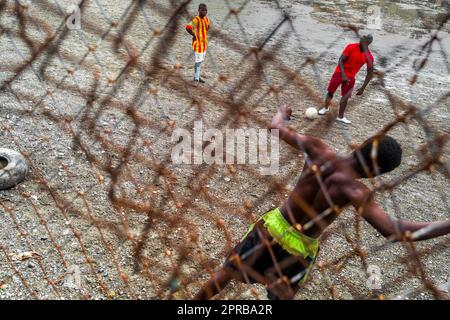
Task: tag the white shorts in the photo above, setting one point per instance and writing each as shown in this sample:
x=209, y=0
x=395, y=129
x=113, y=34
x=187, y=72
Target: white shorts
x=199, y=56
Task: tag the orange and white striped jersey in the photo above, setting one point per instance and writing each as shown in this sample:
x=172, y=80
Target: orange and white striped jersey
x=200, y=27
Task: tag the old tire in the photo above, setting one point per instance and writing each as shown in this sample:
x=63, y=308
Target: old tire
x=13, y=168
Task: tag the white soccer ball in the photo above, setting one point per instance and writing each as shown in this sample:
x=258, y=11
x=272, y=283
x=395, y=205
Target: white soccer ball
x=311, y=113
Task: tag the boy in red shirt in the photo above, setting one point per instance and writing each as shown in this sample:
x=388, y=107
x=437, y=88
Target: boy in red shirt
x=355, y=55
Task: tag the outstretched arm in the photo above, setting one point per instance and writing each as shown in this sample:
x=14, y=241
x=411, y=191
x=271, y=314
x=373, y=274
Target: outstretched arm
x=397, y=229
x=369, y=76
x=290, y=136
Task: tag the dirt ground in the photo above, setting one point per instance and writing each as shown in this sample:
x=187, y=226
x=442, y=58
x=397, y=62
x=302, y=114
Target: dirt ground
x=62, y=237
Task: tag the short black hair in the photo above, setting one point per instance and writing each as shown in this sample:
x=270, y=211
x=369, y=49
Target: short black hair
x=202, y=5
x=368, y=38
x=388, y=156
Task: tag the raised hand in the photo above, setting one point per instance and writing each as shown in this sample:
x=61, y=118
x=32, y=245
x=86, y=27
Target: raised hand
x=286, y=111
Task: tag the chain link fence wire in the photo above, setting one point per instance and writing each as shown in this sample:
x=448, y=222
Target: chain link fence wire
x=105, y=214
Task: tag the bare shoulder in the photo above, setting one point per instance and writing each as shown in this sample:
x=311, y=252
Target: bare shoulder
x=352, y=188
x=318, y=148
x=357, y=192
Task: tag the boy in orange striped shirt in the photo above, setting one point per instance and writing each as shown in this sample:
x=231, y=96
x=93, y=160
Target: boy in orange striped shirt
x=198, y=29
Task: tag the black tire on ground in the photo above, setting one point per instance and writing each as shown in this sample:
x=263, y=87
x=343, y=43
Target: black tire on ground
x=13, y=168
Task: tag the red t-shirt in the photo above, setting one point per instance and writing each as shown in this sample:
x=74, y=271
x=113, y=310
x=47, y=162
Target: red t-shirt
x=355, y=59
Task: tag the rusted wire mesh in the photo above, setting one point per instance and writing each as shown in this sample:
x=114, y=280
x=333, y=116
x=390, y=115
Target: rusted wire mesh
x=105, y=213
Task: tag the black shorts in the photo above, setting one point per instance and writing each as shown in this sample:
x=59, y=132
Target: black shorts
x=258, y=262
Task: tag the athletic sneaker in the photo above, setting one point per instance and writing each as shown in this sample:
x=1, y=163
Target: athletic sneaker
x=323, y=111
x=344, y=120
x=199, y=80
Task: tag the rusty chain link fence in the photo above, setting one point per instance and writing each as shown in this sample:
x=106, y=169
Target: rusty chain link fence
x=104, y=213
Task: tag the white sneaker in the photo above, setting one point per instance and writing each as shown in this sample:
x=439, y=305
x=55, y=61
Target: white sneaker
x=344, y=120
x=323, y=111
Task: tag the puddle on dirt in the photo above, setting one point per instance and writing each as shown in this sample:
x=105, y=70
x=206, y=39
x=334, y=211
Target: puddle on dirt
x=318, y=22
x=400, y=29
x=412, y=18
